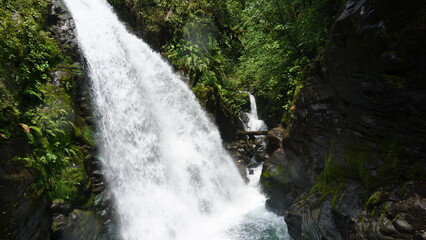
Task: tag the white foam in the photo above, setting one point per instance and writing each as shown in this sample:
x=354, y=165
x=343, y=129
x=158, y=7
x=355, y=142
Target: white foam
x=163, y=159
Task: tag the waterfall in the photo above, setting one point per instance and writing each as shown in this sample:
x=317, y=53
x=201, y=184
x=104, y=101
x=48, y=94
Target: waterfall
x=253, y=122
x=163, y=158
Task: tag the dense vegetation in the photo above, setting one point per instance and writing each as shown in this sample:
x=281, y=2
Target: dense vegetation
x=224, y=46
x=36, y=107
x=265, y=47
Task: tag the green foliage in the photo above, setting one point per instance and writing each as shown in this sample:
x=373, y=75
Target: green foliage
x=30, y=106
x=212, y=96
x=266, y=47
x=201, y=39
x=28, y=51
x=192, y=59
x=281, y=40
x=67, y=185
x=27, y=54
x=55, y=154
x=204, y=93
x=395, y=81
x=205, y=46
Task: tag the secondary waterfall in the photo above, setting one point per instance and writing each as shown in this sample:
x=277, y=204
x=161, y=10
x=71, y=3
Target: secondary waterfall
x=254, y=123
x=163, y=159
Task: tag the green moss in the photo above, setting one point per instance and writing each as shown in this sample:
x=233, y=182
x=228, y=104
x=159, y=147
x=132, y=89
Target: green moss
x=331, y=181
x=356, y=169
x=215, y=98
x=333, y=190
x=354, y=166
x=90, y=203
x=391, y=168
x=278, y=174
x=204, y=94
x=34, y=191
x=373, y=200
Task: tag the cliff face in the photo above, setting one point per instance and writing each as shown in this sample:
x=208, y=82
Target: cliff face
x=45, y=142
x=356, y=149
x=24, y=212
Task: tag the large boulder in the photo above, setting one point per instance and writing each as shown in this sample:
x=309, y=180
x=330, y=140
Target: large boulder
x=62, y=26
x=315, y=215
x=77, y=225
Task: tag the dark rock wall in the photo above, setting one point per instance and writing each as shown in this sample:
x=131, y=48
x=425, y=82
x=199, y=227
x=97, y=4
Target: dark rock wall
x=24, y=212
x=359, y=124
x=62, y=27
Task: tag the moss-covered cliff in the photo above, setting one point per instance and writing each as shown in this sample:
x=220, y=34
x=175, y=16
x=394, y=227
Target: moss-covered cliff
x=354, y=163
x=44, y=138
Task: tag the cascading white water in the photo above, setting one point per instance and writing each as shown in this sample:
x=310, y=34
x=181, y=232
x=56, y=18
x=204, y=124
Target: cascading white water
x=163, y=159
x=254, y=123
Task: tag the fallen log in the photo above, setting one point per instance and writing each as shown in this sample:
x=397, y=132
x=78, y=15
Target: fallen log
x=252, y=133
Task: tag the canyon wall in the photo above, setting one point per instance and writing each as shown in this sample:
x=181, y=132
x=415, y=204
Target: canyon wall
x=353, y=165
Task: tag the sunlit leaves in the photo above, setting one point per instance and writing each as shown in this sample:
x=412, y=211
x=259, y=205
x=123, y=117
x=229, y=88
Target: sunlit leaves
x=281, y=39
x=31, y=108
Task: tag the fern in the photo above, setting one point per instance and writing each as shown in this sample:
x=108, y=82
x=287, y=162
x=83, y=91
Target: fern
x=37, y=130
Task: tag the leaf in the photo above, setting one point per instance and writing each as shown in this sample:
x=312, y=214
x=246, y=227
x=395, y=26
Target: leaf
x=37, y=129
x=35, y=94
x=3, y=136
x=25, y=127
x=188, y=61
x=4, y=133
x=43, y=160
x=63, y=111
x=51, y=133
x=30, y=137
x=52, y=156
